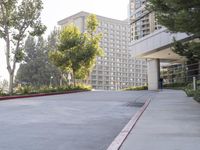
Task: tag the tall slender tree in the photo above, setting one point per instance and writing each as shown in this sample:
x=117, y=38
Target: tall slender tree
x=17, y=18
x=93, y=48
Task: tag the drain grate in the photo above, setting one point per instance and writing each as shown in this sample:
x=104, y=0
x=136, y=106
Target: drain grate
x=135, y=104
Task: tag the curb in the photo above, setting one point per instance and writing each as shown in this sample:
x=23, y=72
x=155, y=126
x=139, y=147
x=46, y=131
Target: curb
x=119, y=140
x=37, y=95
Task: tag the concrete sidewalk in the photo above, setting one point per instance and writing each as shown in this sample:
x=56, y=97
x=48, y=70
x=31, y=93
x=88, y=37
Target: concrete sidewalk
x=171, y=122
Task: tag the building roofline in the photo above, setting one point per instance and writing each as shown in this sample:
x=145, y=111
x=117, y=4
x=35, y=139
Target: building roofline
x=83, y=13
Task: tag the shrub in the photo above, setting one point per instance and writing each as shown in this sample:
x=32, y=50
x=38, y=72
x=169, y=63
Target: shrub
x=2, y=93
x=193, y=93
x=189, y=92
x=175, y=85
x=197, y=95
x=190, y=85
x=136, y=88
x=82, y=87
x=45, y=89
x=24, y=90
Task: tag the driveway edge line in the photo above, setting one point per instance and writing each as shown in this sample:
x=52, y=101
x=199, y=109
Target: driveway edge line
x=119, y=140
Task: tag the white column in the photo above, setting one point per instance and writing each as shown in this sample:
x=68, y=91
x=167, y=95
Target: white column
x=153, y=74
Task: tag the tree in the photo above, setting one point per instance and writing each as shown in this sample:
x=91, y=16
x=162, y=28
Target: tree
x=17, y=18
x=93, y=48
x=36, y=69
x=189, y=49
x=52, y=43
x=180, y=16
x=77, y=51
x=68, y=53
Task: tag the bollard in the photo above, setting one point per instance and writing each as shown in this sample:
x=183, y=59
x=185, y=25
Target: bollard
x=194, y=84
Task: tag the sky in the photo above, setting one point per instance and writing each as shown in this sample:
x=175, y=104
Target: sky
x=59, y=9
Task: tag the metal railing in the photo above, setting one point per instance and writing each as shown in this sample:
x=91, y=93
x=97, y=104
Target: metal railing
x=182, y=73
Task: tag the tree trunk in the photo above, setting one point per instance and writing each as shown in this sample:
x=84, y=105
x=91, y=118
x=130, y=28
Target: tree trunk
x=88, y=77
x=74, y=75
x=61, y=80
x=61, y=84
x=11, y=76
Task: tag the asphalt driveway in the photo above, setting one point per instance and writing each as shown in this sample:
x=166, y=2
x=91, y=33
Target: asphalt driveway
x=80, y=121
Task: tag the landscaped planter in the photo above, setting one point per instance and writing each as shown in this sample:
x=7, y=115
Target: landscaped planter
x=38, y=95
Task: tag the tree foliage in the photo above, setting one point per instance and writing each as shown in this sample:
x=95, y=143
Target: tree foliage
x=17, y=18
x=180, y=16
x=189, y=49
x=77, y=51
x=36, y=69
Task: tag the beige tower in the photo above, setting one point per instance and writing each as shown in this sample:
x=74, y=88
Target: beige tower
x=142, y=22
x=117, y=69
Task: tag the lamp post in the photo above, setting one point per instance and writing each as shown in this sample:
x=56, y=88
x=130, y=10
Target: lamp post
x=51, y=78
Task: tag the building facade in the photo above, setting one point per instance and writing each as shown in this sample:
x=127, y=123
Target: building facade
x=116, y=69
x=142, y=21
x=151, y=41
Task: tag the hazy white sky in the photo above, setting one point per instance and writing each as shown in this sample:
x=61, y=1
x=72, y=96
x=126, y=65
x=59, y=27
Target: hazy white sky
x=55, y=10
x=60, y=9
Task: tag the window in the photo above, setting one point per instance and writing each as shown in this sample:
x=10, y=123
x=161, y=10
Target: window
x=94, y=82
x=100, y=72
x=100, y=77
x=94, y=77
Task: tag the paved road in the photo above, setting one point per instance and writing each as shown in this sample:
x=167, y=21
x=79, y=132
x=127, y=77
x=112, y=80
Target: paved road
x=81, y=121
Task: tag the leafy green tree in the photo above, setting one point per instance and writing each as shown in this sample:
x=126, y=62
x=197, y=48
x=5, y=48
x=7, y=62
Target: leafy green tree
x=67, y=57
x=52, y=44
x=53, y=39
x=77, y=51
x=36, y=69
x=180, y=16
x=17, y=18
x=92, y=25
x=93, y=48
x=189, y=49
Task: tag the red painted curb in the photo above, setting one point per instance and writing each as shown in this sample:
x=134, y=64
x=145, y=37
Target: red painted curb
x=119, y=140
x=37, y=95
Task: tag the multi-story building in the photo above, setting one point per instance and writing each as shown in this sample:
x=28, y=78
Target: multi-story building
x=116, y=69
x=156, y=47
x=142, y=21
